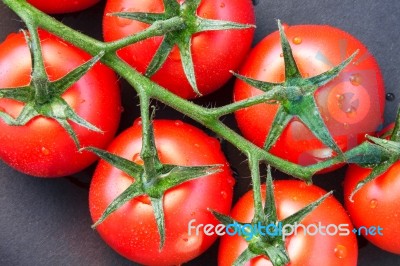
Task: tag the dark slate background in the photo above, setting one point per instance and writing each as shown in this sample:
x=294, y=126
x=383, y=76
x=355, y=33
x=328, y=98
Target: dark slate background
x=47, y=222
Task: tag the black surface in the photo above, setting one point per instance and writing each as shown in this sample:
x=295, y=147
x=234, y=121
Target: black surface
x=47, y=222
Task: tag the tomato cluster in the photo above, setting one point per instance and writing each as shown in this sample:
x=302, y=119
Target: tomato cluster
x=301, y=96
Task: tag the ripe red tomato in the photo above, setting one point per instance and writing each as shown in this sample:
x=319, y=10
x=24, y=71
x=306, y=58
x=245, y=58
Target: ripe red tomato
x=351, y=105
x=214, y=53
x=42, y=147
x=132, y=229
x=62, y=6
x=290, y=197
x=376, y=204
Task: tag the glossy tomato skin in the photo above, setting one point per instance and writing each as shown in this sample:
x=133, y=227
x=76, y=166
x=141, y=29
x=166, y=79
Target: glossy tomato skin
x=62, y=6
x=131, y=230
x=290, y=197
x=376, y=204
x=215, y=53
x=351, y=105
x=42, y=147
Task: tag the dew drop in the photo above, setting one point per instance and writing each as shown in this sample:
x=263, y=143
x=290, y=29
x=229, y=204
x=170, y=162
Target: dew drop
x=136, y=159
x=222, y=5
x=346, y=125
x=231, y=181
x=178, y=123
x=224, y=194
x=138, y=122
x=390, y=97
x=281, y=54
x=355, y=79
x=340, y=97
x=297, y=40
x=373, y=203
x=340, y=251
x=351, y=112
x=197, y=145
x=45, y=151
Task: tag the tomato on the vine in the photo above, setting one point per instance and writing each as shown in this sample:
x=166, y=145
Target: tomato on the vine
x=42, y=147
x=132, y=230
x=63, y=6
x=315, y=247
x=214, y=53
x=350, y=105
x=376, y=204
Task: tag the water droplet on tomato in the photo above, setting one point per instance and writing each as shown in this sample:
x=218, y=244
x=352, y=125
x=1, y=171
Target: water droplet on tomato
x=197, y=145
x=178, y=123
x=281, y=54
x=45, y=151
x=346, y=125
x=351, y=112
x=297, y=40
x=390, y=97
x=355, y=79
x=224, y=194
x=373, y=203
x=231, y=181
x=340, y=97
x=341, y=251
x=222, y=5
x=136, y=159
x=138, y=122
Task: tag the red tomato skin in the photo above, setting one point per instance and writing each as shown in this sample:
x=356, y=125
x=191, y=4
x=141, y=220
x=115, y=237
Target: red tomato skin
x=291, y=196
x=212, y=63
x=352, y=105
x=376, y=204
x=131, y=230
x=42, y=147
x=62, y=6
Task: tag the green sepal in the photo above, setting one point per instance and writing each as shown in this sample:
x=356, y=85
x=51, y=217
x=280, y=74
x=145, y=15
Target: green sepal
x=375, y=173
x=278, y=125
x=324, y=78
x=21, y=94
x=308, y=113
x=211, y=25
x=174, y=175
x=158, y=209
x=130, y=168
x=134, y=190
x=261, y=85
x=270, y=212
x=160, y=56
x=301, y=214
x=291, y=69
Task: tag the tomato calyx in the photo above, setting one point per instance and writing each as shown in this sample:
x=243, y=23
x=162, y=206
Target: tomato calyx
x=387, y=149
x=269, y=244
x=42, y=97
x=296, y=97
x=182, y=36
x=153, y=178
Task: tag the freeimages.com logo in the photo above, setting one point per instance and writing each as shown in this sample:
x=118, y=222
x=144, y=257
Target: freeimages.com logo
x=248, y=231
